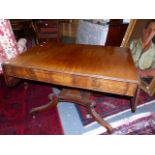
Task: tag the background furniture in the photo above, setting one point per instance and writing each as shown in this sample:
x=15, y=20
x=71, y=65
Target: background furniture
x=68, y=27
x=116, y=32
x=148, y=86
x=91, y=34
x=46, y=30
x=22, y=28
x=66, y=30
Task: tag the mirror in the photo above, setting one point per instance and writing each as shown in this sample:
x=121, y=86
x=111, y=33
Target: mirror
x=134, y=31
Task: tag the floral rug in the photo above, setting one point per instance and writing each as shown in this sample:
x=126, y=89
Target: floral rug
x=141, y=126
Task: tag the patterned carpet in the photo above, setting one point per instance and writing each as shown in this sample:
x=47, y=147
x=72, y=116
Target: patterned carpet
x=142, y=126
x=109, y=104
x=115, y=110
x=15, y=104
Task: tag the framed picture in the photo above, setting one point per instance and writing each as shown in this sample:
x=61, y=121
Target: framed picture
x=134, y=31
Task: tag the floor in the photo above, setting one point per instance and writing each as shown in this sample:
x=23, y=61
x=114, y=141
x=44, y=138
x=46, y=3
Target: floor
x=72, y=124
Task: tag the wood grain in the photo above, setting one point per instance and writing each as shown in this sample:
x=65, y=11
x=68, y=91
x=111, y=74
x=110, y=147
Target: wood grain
x=105, y=69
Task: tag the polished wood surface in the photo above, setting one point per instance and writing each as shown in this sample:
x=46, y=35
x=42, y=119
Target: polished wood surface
x=105, y=69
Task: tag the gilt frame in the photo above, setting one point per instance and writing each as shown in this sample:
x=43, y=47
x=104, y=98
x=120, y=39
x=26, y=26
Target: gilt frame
x=128, y=33
x=149, y=88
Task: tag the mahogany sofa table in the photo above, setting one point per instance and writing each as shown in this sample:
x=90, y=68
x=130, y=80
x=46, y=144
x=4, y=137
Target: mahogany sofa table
x=84, y=68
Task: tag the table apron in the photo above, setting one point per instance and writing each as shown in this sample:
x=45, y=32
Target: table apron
x=73, y=80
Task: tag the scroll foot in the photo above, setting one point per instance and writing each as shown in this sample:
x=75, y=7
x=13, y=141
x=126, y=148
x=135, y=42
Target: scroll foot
x=51, y=104
x=99, y=119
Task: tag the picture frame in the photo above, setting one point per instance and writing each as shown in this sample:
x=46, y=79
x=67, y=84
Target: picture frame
x=134, y=31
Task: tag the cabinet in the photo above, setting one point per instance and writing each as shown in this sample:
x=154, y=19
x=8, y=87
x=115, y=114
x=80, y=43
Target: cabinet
x=46, y=30
x=68, y=28
x=116, y=32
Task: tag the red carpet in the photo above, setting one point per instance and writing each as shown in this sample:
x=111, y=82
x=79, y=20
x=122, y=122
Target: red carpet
x=109, y=104
x=15, y=104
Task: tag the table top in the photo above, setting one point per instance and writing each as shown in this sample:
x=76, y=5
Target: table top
x=90, y=67
x=107, y=62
